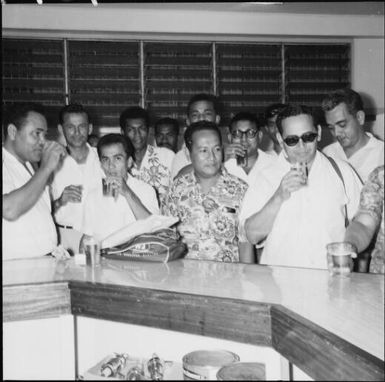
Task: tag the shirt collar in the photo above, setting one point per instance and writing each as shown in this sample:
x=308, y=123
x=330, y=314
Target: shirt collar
x=223, y=174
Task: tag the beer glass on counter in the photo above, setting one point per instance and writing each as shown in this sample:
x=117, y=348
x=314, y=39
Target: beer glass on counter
x=92, y=251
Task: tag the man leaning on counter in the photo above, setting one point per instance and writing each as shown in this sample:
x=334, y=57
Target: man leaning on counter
x=207, y=200
x=28, y=227
x=316, y=199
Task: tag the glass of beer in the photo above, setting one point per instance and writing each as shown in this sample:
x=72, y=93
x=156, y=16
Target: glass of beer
x=92, y=251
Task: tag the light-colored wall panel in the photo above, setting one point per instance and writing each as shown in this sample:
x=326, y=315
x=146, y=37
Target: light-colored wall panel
x=86, y=17
x=39, y=349
x=368, y=70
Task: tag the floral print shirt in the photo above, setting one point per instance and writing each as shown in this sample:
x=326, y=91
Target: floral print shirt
x=155, y=169
x=372, y=203
x=208, y=222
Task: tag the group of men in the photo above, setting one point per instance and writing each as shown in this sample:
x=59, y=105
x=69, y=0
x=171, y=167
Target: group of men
x=230, y=198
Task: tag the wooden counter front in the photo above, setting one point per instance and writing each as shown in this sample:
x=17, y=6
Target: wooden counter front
x=331, y=328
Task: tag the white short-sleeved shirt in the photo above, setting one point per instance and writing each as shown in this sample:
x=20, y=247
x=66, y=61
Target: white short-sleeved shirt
x=105, y=215
x=264, y=160
x=181, y=159
x=89, y=175
x=155, y=169
x=33, y=233
x=312, y=217
x=365, y=160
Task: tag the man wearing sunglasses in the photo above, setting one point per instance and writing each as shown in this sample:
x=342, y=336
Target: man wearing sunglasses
x=295, y=212
x=244, y=137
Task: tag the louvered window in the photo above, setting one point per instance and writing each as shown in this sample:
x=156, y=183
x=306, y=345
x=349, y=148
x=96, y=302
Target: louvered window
x=311, y=71
x=104, y=77
x=33, y=71
x=249, y=77
x=108, y=76
x=173, y=73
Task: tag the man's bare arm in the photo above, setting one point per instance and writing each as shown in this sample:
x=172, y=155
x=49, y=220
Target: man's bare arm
x=21, y=200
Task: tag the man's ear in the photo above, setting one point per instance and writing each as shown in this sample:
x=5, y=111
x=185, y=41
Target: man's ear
x=360, y=116
x=187, y=122
x=281, y=143
x=229, y=136
x=60, y=129
x=90, y=128
x=130, y=163
x=260, y=135
x=279, y=138
x=217, y=119
x=319, y=132
x=12, y=131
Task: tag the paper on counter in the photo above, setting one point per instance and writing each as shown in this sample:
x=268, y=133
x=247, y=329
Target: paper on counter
x=150, y=224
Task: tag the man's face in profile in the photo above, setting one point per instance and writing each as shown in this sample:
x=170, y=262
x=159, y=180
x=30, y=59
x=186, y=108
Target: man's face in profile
x=344, y=126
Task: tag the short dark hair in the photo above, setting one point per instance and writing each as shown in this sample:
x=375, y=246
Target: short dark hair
x=273, y=110
x=200, y=126
x=134, y=112
x=245, y=116
x=167, y=121
x=17, y=113
x=348, y=96
x=204, y=97
x=93, y=136
x=72, y=108
x=292, y=111
x=113, y=138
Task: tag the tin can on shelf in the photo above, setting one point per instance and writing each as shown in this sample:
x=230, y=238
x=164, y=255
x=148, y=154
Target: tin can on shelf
x=242, y=371
x=204, y=364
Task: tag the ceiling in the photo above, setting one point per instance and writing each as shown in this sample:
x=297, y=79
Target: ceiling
x=340, y=8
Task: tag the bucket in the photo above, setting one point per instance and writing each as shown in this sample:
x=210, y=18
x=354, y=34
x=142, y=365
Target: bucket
x=242, y=371
x=204, y=364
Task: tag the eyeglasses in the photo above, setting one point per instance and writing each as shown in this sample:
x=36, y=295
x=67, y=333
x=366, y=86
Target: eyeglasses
x=251, y=133
x=292, y=140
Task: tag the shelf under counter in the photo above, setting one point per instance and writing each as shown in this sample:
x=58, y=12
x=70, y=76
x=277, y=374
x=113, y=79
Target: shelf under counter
x=311, y=319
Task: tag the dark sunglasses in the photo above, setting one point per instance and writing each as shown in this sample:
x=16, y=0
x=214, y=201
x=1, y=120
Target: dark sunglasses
x=292, y=140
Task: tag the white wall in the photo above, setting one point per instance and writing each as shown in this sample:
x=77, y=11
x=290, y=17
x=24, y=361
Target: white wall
x=368, y=70
x=368, y=79
x=39, y=349
x=127, y=19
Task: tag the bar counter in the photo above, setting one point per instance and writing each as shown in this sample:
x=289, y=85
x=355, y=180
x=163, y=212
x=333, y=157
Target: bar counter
x=332, y=328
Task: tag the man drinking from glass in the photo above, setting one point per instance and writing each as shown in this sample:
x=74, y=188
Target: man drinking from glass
x=297, y=205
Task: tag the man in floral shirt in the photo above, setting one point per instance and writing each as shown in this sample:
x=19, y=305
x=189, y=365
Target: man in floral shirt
x=206, y=200
x=152, y=164
x=369, y=219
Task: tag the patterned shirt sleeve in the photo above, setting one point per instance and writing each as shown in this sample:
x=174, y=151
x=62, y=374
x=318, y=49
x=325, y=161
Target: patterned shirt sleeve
x=167, y=203
x=372, y=194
